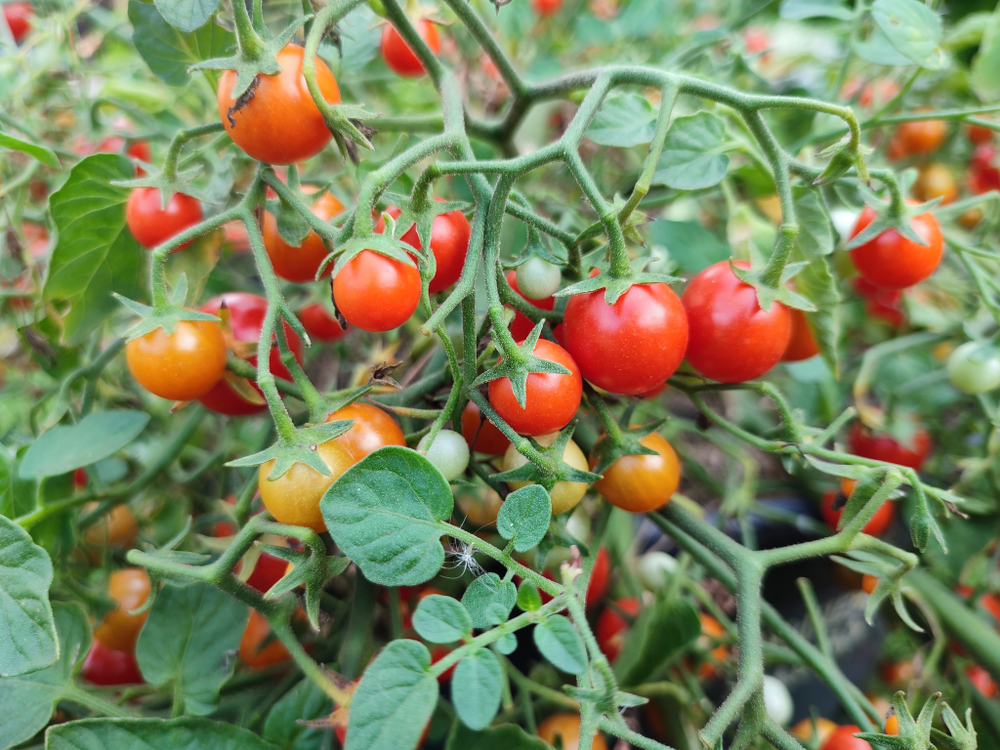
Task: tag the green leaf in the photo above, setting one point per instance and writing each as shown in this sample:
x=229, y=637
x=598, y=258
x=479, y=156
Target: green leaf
x=817, y=283
x=27, y=631
x=42, y=154
x=394, y=701
x=879, y=50
x=28, y=700
x=985, y=72
x=798, y=10
x=624, y=120
x=489, y=600
x=195, y=264
x=507, y=644
x=360, y=39
x=693, y=155
x=967, y=32
x=168, y=52
x=187, y=15
x=68, y=447
x=305, y=701
x=528, y=598
x=692, y=247
x=815, y=238
x=152, y=734
x=503, y=737
x=660, y=632
x=524, y=517
x=913, y=29
x=476, y=687
x=386, y=514
x=559, y=642
x=441, y=619
x=187, y=638
x=96, y=254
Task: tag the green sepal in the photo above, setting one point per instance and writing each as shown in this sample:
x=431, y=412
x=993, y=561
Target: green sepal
x=338, y=400
x=300, y=448
x=564, y=472
x=383, y=244
x=607, y=451
x=913, y=734
x=420, y=211
x=892, y=214
x=629, y=700
x=517, y=368
x=767, y=294
x=308, y=572
x=537, y=246
x=961, y=737
x=614, y=287
x=842, y=159
x=167, y=318
x=180, y=183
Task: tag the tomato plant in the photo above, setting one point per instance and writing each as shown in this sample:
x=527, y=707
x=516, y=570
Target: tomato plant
x=399, y=56
x=551, y=399
x=299, y=263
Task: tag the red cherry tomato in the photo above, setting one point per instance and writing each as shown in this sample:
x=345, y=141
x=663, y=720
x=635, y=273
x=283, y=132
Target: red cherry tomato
x=981, y=680
x=984, y=174
x=482, y=435
x=266, y=572
x=730, y=338
x=861, y=442
x=246, y=316
x=890, y=260
x=612, y=628
x=301, y=263
x=281, y=123
x=600, y=575
x=978, y=134
x=450, y=234
x=801, y=344
x=105, y=666
x=546, y=8
x=376, y=293
x=180, y=366
x=884, y=304
x=521, y=325
x=18, y=16
x=397, y=53
x=152, y=225
x=875, y=527
x=319, y=324
x=631, y=346
x=842, y=738
x=552, y=398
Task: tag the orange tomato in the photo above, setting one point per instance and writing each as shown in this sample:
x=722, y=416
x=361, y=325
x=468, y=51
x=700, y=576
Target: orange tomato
x=294, y=497
x=373, y=429
x=567, y=728
x=641, y=483
x=119, y=630
x=301, y=263
x=256, y=650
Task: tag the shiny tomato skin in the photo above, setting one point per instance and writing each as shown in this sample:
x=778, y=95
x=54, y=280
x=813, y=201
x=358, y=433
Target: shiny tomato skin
x=300, y=264
x=281, y=124
x=730, y=338
x=875, y=527
x=481, y=434
x=842, y=738
x=399, y=57
x=246, y=317
x=552, y=398
x=319, y=324
x=642, y=483
x=566, y=727
x=631, y=346
x=600, y=576
x=151, y=225
x=450, y=233
x=294, y=497
x=801, y=344
x=546, y=8
x=891, y=261
x=521, y=325
x=917, y=138
x=256, y=651
x=612, y=629
x=376, y=293
x=129, y=588
x=181, y=366
x=862, y=442
x=266, y=572
x=373, y=428
x=105, y=666
x=18, y=16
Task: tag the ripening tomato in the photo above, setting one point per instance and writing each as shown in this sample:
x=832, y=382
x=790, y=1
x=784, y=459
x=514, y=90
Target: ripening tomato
x=892, y=724
x=612, y=629
x=481, y=505
x=246, y=318
x=982, y=680
x=551, y=398
x=730, y=338
x=564, y=495
x=376, y=293
x=861, y=442
x=319, y=324
x=875, y=527
x=804, y=730
x=151, y=224
x=293, y=498
x=546, y=8
x=984, y=174
x=399, y=57
x=974, y=367
x=180, y=366
x=521, y=325
x=301, y=263
x=105, y=666
x=118, y=528
x=978, y=134
x=279, y=123
x=756, y=39
x=891, y=261
x=917, y=138
x=373, y=428
x=129, y=588
x=631, y=346
x=801, y=344
x=18, y=16
x=566, y=727
x=868, y=583
x=450, y=233
x=641, y=483
x=936, y=181
x=842, y=738
x=711, y=633
x=481, y=434
x=259, y=648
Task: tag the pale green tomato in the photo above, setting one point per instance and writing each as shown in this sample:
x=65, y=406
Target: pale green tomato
x=777, y=701
x=655, y=570
x=974, y=367
x=449, y=453
x=538, y=279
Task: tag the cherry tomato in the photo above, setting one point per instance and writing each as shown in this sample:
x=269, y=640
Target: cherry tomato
x=450, y=234
x=878, y=92
x=319, y=324
x=917, y=138
x=235, y=236
x=861, y=442
x=564, y=495
x=537, y=278
x=116, y=144
x=546, y=8
x=449, y=453
x=373, y=428
x=974, y=367
x=778, y=704
x=711, y=632
x=294, y=497
x=552, y=398
x=481, y=505
x=612, y=629
x=399, y=57
x=756, y=39
x=151, y=224
x=731, y=339
x=566, y=727
x=868, y=583
x=875, y=527
x=180, y=366
x=979, y=134
x=631, y=346
x=258, y=647
x=984, y=174
x=119, y=630
x=246, y=317
x=481, y=434
x=890, y=260
x=18, y=16
x=600, y=574
x=842, y=738
x=884, y=304
x=521, y=325
x=642, y=483
x=266, y=572
x=301, y=263
x=892, y=724
x=376, y=293
x=280, y=123
x=805, y=730
x=105, y=666
x=936, y=181
x=981, y=680
x=801, y=344
x=118, y=528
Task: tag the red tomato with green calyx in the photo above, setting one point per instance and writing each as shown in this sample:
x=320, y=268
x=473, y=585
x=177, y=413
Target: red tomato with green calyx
x=450, y=234
x=152, y=225
x=376, y=293
x=399, y=57
x=842, y=738
x=890, y=260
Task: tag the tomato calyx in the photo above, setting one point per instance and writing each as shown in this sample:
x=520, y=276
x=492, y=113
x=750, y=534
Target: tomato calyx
x=165, y=314
x=770, y=278
x=918, y=732
x=615, y=285
x=517, y=362
x=418, y=210
x=621, y=438
x=297, y=447
x=894, y=213
x=309, y=567
x=382, y=244
x=556, y=471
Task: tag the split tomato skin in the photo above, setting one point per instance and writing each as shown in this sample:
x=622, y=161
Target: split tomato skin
x=151, y=224
x=300, y=264
x=281, y=123
x=890, y=260
x=731, y=339
x=181, y=366
x=402, y=60
x=376, y=293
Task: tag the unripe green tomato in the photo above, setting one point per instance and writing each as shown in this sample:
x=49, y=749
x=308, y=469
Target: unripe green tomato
x=777, y=701
x=538, y=279
x=449, y=453
x=655, y=570
x=974, y=367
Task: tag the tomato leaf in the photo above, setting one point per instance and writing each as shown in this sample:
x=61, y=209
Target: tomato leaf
x=476, y=687
x=152, y=734
x=815, y=238
x=524, y=517
x=503, y=737
x=441, y=619
x=305, y=701
x=624, y=120
x=394, y=700
x=561, y=644
x=913, y=29
x=798, y=10
x=985, y=73
x=528, y=597
x=360, y=40
x=693, y=155
x=817, y=283
x=44, y=155
x=67, y=447
x=879, y=50
x=387, y=512
x=692, y=247
x=187, y=15
x=187, y=638
x=489, y=600
x=660, y=632
x=96, y=254
x=168, y=52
